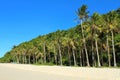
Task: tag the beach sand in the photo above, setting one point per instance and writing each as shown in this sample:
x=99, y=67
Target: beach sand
x=34, y=72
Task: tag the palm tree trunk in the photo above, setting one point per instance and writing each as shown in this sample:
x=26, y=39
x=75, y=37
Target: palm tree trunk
x=69, y=58
x=84, y=42
x=55, y=56
x=97, y=53
x=74, y=58
x=93, y=58
x=44, y=53
x=80, y=53
x=25, y=60
x=83, y=57
x=17, y=59
x=108, y=51
x=92, y=42
x=33, y=58
x=29, y=60
x=114, y=56
x=60, y=54
x=20, y=58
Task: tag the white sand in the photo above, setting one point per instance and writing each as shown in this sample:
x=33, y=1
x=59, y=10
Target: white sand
x=80, y=73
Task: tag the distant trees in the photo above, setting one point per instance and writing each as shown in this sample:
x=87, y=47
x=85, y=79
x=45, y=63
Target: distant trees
x=93, y=42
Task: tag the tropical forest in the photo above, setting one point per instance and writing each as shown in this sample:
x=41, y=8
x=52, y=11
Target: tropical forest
x=93, y=42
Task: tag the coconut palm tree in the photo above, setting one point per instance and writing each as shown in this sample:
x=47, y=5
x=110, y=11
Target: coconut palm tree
x=58, y=39
x=107, y=30
x=112, y=24
x=16, y=52
x=96, y=19
x=83, y=15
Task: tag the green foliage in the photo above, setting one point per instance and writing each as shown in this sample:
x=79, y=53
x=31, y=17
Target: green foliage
x=7, y=58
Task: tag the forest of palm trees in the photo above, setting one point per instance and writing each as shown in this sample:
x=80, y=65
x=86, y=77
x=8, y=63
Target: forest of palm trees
x=95, y=42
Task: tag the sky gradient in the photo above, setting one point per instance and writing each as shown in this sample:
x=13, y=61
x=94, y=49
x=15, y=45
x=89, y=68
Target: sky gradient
x=23, y=20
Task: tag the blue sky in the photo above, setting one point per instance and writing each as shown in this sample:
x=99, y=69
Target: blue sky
x=23, y=20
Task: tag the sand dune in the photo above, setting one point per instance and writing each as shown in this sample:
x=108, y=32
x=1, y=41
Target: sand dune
x=33, y=72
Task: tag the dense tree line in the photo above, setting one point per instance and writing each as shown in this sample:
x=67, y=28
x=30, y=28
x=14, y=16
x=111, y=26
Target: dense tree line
x=93, y=42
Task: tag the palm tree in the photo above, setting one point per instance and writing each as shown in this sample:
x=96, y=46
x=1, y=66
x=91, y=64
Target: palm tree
x=65, y=47
x=72, y=43
x=44, y=48
x=43, y=43
x=66, y=43
x=29, y=51
x=107, y=30
x=54, y=51
x=96, y=19
x=73, y=52
x=59, y=51
x=113, y=24
x=111, y=21
x=83, y=15
x=17, y=53
x=92, y=43
x=58, y=38
x=54, y=45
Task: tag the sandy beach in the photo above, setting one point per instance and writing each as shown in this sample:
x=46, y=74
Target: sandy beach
x=33, y=72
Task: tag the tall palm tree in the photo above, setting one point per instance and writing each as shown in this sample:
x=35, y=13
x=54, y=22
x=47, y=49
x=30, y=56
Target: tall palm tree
x=107, y=30
x=43, y=43
x=17, y=54
x=83, y=15
x=112, y=24
x=29, y=51
x=54, y=45
x=44, y=48
x=96, y=23
x=73, y=52
x=66, y=43
x=111, y=21
x=58, y=38
x=70, y=42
